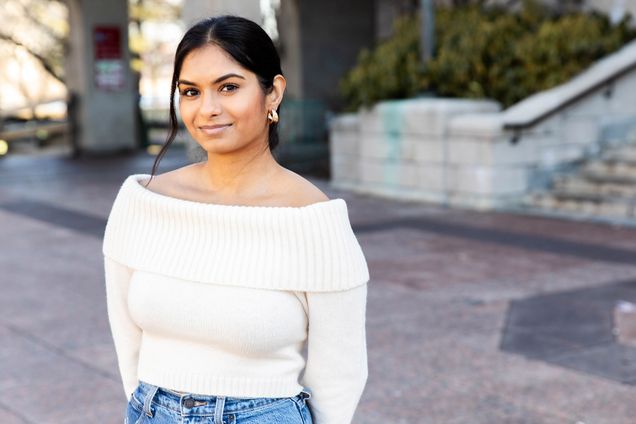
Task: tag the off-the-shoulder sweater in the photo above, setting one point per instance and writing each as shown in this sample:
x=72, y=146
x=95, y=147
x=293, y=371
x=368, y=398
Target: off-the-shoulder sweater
x=221, y=299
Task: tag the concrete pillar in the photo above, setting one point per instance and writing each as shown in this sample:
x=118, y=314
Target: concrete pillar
x=388, y=10
x=195, y=10
x=321, y=41
x=290, y=50
x=98, y=73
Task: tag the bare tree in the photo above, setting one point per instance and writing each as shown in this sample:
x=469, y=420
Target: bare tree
x=41, y=28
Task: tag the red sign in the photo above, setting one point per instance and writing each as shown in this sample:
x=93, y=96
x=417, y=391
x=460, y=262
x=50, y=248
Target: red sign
x=107, y=42
x=109, y=61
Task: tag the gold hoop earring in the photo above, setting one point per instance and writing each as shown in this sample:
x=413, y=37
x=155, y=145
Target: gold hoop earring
x=272, y=116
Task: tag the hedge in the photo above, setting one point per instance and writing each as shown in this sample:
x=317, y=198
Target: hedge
x=483, y=53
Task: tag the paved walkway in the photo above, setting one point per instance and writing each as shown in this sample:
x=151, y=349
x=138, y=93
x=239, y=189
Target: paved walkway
x=472, y=317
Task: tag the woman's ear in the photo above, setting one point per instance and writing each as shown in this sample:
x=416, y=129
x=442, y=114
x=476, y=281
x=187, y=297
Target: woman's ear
x=276, y=95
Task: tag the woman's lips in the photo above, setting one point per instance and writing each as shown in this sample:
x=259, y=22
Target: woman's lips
x=214, y=129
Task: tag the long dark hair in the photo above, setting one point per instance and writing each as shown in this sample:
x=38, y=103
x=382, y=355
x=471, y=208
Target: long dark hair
x=242, y=39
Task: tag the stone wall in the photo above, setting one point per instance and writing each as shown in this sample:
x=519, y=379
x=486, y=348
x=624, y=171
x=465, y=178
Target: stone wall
x=470, y=153
x=402, y=149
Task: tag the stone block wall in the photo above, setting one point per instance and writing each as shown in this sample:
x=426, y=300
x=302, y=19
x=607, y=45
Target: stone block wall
x=400, y=148
x=470, y=153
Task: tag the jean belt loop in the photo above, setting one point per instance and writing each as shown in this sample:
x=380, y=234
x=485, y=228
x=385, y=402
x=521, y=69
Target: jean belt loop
x=218, y=409
x=149, y=397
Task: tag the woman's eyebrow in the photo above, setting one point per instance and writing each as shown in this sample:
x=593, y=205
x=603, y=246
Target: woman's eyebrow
x=226, y=76
x=216, y=81
x=184, y=82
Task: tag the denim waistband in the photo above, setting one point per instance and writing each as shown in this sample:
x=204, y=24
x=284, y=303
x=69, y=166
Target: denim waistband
x=196, y=404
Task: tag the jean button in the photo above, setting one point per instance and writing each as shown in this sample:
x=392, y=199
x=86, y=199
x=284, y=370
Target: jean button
x=188, y=403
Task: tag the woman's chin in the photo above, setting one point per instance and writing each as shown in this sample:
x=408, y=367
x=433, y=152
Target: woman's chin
x=219, y=145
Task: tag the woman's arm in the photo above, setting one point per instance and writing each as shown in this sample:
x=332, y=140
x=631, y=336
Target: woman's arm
x=126, y=334
x=336, y=370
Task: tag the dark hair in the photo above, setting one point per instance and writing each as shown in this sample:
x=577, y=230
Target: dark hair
x=242, y=39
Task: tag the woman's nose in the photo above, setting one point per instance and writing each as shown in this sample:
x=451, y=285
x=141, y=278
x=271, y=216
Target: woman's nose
x=210, y=105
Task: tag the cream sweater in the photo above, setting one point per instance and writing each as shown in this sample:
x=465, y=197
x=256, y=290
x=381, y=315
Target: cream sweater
x=221, y=299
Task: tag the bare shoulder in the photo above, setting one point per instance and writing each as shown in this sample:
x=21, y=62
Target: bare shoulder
x=291, y=190
x=300, y=191
x=169, y=183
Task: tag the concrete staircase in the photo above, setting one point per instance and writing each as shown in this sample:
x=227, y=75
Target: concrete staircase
x=602, y=187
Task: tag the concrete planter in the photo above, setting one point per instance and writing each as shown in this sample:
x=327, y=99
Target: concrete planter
x=470, y=153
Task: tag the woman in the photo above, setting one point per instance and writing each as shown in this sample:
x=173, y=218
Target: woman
x=218, y=274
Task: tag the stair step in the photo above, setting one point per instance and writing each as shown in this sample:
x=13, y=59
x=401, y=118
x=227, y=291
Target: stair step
x=602, y=177
x=582, y=196
x=611, y=168
x=587, y=197
x=583, y=204
x=603, y=187
x=614, y=161
x=574, y=184
x=622, y=154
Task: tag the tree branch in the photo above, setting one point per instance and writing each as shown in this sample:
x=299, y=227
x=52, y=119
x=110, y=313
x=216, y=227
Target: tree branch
x=43, y=61
x=26, y=12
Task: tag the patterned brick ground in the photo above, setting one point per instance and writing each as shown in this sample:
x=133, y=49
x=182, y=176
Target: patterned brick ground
x=442, y=282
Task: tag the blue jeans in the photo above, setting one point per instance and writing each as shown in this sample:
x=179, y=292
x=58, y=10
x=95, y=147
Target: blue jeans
x=155, y=405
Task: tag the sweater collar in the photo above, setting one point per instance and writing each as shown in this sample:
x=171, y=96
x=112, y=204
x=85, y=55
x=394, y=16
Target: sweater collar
x=311, y=247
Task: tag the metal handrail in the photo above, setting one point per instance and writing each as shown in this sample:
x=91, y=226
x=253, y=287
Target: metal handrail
x=599, y=82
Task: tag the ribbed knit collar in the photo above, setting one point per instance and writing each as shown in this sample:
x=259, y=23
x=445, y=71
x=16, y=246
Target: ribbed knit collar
x=309, y=248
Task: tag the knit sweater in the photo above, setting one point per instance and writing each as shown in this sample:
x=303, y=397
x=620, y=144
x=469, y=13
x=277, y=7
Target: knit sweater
x=222, y=299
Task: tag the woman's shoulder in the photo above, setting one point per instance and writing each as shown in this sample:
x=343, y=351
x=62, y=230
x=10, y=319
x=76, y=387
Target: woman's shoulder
x=171, y=183
x=291, y=189
x=299, y=191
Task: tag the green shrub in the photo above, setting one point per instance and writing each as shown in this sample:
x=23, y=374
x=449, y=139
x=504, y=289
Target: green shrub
x=392, y=70
x=481, y=53
x=563, y=48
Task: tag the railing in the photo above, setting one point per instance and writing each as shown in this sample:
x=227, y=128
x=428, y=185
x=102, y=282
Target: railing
x=18, y=126
x=602, y=74
x=32, y=129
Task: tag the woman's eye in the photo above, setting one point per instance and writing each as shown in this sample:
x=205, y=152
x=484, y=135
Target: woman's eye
x=189, y=92
x=229, y=87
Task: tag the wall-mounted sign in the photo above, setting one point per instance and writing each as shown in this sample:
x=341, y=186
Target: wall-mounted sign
x=109, y=58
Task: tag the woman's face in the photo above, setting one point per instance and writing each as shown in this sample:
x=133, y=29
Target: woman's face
x=221, y=103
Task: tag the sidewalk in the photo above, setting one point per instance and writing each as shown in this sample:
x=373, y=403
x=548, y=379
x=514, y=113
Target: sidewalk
x=472, y=318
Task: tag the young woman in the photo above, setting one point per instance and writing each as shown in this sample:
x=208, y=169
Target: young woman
x=220, y=273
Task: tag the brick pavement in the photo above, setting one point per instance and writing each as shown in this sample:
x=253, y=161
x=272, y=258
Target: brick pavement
x=442, y=283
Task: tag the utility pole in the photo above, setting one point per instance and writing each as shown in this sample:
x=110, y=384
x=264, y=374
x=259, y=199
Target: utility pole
x=618, y=11
x=427, y=30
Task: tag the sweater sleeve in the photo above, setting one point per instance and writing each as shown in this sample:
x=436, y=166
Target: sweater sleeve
x=126, y=334
x=336, y=369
